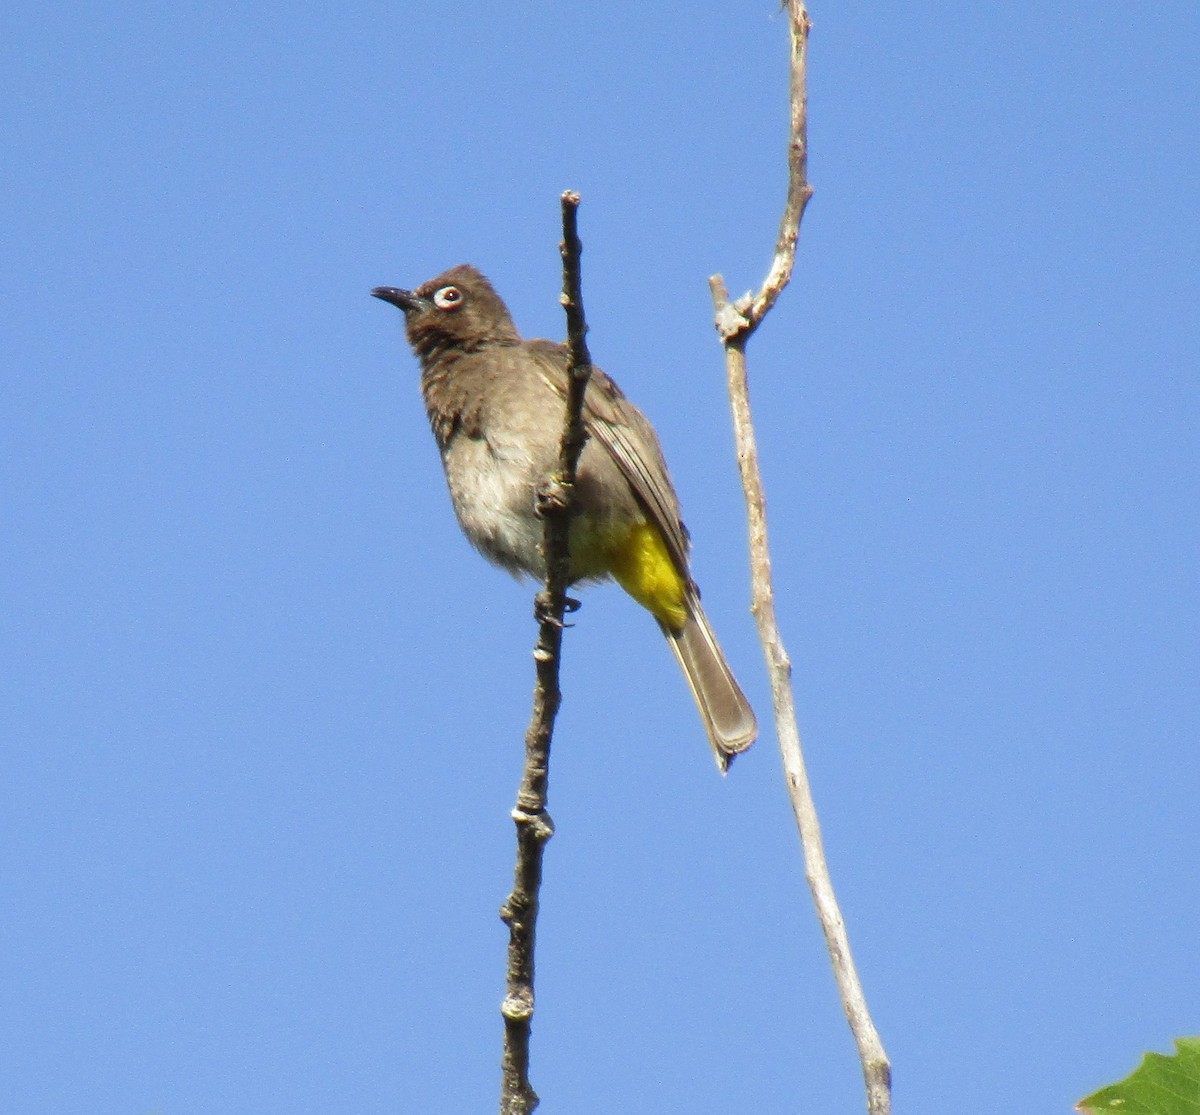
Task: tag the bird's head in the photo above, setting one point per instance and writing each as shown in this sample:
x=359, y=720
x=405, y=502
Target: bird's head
x=457, y=310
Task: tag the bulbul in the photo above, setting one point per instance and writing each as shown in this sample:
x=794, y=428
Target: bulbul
x=496, y=405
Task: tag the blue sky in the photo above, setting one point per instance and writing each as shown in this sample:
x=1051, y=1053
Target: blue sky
x=263, y=706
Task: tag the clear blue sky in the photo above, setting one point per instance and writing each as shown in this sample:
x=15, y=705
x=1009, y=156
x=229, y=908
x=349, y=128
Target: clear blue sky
x=262, y=706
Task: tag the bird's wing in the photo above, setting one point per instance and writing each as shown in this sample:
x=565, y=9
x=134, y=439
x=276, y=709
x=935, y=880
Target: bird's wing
x=630, y=440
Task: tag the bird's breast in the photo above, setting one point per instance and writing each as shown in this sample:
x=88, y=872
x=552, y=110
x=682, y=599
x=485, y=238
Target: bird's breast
x=493, y=492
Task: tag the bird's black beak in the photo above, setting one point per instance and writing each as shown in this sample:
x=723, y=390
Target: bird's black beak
x=404, y=299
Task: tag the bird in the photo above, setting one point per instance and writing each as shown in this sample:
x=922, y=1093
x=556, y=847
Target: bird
x=495, y=403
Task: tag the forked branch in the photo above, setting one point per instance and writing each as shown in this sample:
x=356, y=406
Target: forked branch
x=735, y=323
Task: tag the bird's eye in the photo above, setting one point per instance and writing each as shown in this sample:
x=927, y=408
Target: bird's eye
x=448, y=298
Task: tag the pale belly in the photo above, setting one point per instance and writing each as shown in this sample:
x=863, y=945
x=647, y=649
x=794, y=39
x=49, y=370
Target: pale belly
x=494, y=497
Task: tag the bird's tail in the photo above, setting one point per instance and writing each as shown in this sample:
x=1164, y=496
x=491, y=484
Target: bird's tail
x=727, y=715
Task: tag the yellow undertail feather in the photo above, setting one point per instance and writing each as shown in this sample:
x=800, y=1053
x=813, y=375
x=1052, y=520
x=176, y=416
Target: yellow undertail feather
x=642, y=566
x=638, y=559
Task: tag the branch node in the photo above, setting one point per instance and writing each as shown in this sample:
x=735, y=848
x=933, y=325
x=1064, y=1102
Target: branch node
x=517, y=1008
x=730, y=322
x=538, y=823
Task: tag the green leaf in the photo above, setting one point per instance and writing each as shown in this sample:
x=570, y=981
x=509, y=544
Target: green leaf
x=1160, y=1085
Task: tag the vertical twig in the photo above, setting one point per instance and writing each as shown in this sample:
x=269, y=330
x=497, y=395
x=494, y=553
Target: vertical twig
x=736, y=323
x=534, y=826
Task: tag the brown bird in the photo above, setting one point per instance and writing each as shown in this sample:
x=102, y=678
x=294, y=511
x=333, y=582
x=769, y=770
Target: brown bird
x=495, y=403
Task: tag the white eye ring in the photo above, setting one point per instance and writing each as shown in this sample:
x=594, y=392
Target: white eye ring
x=448, y=298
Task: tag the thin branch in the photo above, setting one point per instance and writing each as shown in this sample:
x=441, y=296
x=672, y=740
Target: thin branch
x=735, y=324
x=740, y=319
x=534, y=826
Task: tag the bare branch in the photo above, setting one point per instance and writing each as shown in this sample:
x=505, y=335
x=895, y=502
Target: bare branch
x=740, y=320
x=534, y=826
x=735, y=323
